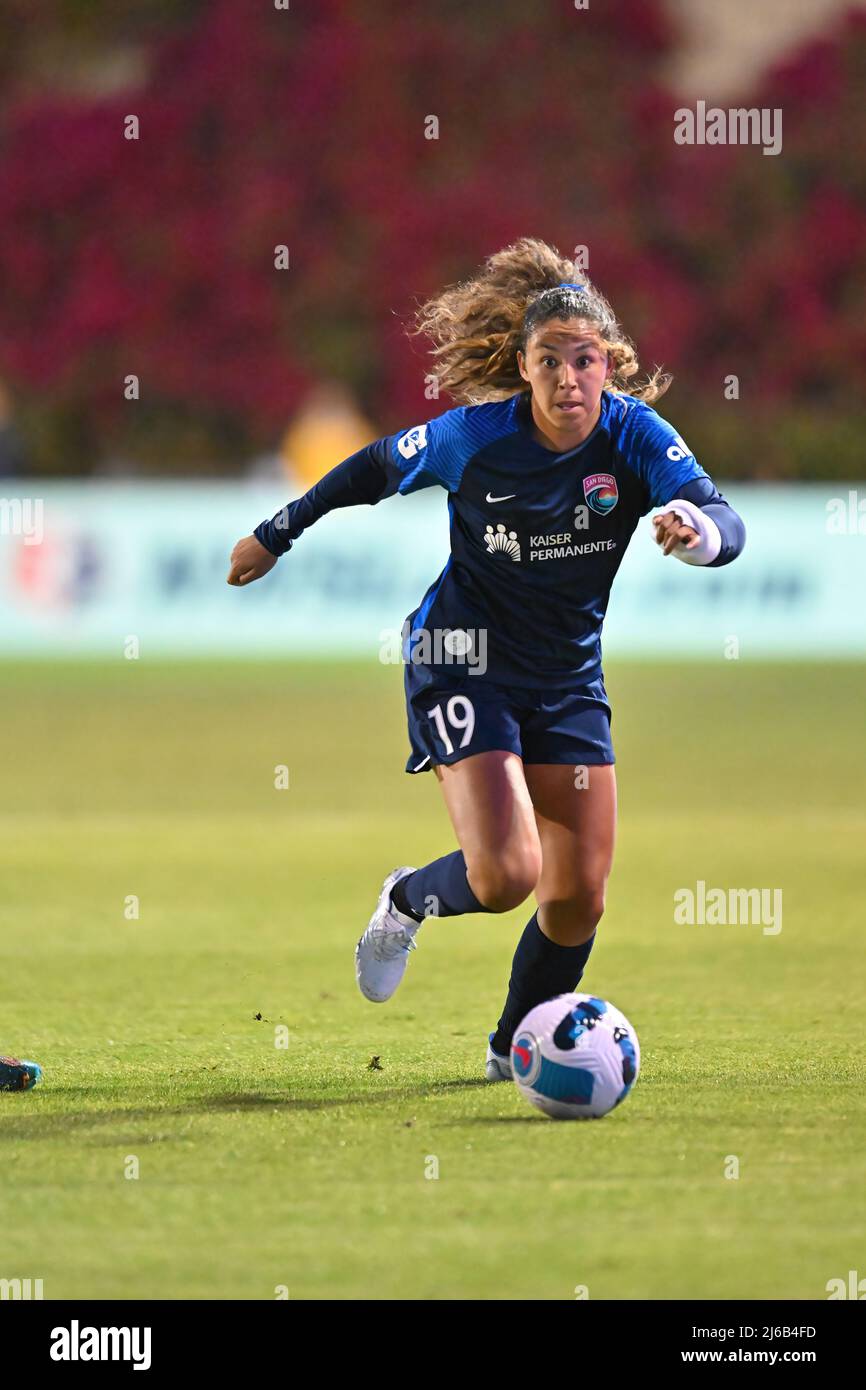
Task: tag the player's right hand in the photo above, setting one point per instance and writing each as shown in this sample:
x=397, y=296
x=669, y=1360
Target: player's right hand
x=249, y=560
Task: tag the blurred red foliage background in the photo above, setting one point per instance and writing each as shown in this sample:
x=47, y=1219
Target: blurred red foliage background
x=305, y=127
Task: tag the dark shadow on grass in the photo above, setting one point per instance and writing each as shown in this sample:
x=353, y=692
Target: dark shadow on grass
x=52, y=1126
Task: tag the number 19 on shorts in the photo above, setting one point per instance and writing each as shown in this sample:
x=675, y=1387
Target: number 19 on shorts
x=461, y=718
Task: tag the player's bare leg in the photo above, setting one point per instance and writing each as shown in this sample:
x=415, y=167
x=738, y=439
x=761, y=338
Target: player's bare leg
x=494, y=821
x=495, y=869
x=575, y=814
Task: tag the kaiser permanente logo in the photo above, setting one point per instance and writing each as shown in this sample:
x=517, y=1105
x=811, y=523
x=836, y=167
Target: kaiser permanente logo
x=738, y=125
x=559, y=545
x=77, y=1343
x=502, y=542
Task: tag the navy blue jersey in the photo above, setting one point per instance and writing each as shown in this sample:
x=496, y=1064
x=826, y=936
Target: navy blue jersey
x=536, y=536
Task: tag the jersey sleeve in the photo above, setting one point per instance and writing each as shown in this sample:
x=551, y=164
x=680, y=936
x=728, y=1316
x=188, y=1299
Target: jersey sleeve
x=433, y=453
x=703, y=494
x=365, y=477
x=419, y=457
x=436, y=453
x=661, y=458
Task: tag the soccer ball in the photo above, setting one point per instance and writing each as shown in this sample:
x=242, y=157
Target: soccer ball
x=575, y=1057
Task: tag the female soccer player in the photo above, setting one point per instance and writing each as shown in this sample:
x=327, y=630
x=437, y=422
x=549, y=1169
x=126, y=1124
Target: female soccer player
x=548, y=463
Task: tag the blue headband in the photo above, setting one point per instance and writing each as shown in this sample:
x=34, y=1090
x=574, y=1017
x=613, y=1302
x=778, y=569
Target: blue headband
x=568, y=285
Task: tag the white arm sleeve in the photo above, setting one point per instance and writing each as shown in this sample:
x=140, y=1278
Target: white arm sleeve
x=709, y=536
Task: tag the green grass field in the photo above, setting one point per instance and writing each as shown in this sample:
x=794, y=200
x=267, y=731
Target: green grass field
x=262, y=1166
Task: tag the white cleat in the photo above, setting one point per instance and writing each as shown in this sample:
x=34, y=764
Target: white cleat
x=382, y=954
x=497, y=1068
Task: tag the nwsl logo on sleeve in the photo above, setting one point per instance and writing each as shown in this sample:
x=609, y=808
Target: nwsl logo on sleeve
x=413, y=440
x=601, y=492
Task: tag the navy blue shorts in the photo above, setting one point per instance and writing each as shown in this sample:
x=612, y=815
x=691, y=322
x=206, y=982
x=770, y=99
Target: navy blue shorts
x=454, y=716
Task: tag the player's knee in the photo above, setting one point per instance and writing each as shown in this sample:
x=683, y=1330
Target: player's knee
x=593, y=905
x=573, y=920
x=501, y=882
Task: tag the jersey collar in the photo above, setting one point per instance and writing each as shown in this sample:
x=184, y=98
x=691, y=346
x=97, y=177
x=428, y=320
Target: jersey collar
x=523, y=421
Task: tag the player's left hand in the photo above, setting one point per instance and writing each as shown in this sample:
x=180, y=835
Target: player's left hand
x=670, y=531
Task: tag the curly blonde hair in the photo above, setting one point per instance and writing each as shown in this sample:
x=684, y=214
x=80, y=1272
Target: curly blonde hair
x=477, y=327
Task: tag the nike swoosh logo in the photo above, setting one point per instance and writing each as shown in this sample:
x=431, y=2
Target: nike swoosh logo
x=501, y=499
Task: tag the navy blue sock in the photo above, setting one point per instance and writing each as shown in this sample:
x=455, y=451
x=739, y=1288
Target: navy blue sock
x=440, y=889
x=540, y=970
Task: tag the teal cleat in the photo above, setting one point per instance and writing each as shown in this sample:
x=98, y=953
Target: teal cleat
x=16, y=1075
